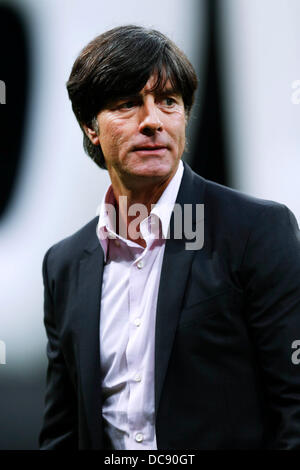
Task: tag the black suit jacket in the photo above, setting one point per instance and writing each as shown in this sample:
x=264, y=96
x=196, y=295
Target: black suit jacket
x=226, y=318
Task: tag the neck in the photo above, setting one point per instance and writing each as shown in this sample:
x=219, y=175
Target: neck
x=145, y=195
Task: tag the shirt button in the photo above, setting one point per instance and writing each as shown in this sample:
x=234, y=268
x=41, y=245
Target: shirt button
x=137, y=378
x=139, y=437
x=140, y=264
x=137, y=321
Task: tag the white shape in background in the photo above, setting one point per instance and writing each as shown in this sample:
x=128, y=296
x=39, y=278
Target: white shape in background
x=296, y=94
x=261, y=42
x=2, y=352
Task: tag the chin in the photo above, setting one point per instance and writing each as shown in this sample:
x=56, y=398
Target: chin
x=153, y=172
x=153, y=167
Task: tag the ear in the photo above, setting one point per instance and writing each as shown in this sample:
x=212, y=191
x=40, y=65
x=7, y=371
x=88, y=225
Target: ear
x=92, y=135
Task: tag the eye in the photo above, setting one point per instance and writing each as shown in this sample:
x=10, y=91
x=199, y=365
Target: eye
x=127, y=104
x=169, y=101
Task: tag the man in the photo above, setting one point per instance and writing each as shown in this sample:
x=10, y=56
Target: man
x=154, y=342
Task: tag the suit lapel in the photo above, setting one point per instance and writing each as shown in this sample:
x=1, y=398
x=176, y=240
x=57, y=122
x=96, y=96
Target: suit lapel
x=174, y=276
x=88, y=308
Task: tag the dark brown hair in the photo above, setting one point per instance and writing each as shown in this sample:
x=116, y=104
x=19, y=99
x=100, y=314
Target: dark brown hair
x=118, y=63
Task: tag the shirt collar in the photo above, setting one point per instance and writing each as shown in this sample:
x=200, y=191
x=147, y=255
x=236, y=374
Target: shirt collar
x=162, y=209
x=164, y=206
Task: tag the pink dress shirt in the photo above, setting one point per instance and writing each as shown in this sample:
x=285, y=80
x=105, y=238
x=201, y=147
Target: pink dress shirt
x=130, y=285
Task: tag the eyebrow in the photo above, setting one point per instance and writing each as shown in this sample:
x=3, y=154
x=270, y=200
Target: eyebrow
x=164, y=92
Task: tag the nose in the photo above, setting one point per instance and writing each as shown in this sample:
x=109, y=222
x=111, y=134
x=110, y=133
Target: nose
x=150, y=120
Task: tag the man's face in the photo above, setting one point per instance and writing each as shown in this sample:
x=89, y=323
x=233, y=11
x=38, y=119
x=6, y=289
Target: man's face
x=143, y=135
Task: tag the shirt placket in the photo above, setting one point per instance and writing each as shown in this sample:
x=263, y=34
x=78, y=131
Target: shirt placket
x=135, y=349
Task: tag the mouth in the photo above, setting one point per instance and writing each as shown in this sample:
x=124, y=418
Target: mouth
x=150, y=149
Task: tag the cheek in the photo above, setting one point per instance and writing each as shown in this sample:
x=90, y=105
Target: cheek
x=181, y=145
x=178, y=131
x=108, y=139
x=115, y=136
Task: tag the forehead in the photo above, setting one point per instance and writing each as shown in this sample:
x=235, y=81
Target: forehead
x=152, y=84
x=156, y=85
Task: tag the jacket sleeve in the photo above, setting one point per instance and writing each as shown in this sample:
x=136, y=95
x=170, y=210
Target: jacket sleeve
x=271, y=267
x=59, y=430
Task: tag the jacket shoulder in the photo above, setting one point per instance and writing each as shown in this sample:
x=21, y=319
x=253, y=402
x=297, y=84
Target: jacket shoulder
x=223, y=201
x=71, y=247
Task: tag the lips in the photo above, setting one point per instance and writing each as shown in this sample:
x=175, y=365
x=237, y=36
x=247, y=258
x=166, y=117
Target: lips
x=149, y=147
x=150, y=151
